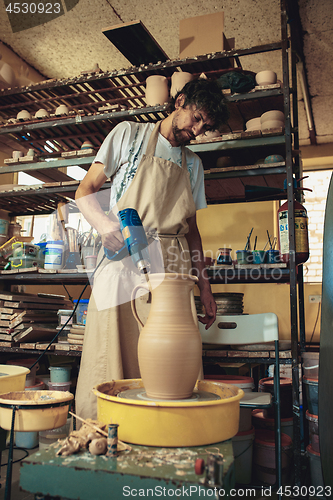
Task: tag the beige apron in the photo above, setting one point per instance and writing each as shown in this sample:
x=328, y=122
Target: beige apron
x=161, y=193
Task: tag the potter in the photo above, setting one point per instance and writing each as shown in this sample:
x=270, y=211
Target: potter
x=153, y=172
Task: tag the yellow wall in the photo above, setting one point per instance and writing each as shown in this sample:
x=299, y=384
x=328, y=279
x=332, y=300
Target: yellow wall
x=228, y=226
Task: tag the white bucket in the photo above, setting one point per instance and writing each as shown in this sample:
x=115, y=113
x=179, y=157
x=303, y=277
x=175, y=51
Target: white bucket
x=242, y=445
x=54, y=255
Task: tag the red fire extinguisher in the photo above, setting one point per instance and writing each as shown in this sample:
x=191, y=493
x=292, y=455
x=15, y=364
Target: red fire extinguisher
x=301, y=232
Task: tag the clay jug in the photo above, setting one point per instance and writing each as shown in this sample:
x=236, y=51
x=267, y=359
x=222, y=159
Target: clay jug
x=170, y=346
x=178, y=80
x=157, y=91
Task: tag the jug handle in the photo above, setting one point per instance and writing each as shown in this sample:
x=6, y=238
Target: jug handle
x=133, y=306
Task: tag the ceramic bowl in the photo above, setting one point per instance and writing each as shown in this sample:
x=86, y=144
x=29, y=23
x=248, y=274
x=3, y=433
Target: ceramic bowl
x=273, y=159
x=254, y=124
x=272, y=124
x=275, y=114
x=210, y=134
x=42, y=113
x=23, y=115
x=266, y=77
x=87, y=145
x=62, y=110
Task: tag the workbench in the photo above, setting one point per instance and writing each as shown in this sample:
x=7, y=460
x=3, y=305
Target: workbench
x=144, y=471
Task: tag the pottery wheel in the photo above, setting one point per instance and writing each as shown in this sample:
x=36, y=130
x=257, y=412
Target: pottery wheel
x=140, y=395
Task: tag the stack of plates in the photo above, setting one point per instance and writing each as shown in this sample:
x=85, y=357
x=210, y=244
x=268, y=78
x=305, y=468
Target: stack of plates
x=76, y=334
x=229, y=303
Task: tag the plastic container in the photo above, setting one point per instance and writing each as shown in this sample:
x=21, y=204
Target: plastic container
x=244, y=257
x=313, y=431
x=245, y=383
x=54, y=255
x=25, y=262
x=286, y=402
x=310, y=362
x=4, y=226
x=60, y=373
x=224, y=256
x=91, y=261
x=264, y=465
x=63, y=315
x=59, y=386
x=46, y=438
x=242, y=445
x=260, y=421
x=21, y=249
x=316, y=474
x=83, y=305
x=272, y=257
x=258, y=256
x=311, y=391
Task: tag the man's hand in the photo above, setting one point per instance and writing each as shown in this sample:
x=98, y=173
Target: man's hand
x=112, y=239
x=209, y=304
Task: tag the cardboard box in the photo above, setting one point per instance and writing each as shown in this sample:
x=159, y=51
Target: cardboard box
x=202, y=35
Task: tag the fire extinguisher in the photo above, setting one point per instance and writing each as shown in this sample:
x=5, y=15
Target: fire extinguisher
x=301, y=231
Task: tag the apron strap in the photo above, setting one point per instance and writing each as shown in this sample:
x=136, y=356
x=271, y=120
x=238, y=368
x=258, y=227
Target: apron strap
x=153, y=141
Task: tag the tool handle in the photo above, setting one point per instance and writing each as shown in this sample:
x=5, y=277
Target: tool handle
x=133, y=306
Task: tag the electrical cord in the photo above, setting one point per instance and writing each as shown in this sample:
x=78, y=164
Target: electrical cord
x=70, y=317
x=19, y=459
x=314, y=328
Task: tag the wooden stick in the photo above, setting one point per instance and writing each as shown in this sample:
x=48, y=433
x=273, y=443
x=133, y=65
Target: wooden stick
x=88, y=423
x=122, y=445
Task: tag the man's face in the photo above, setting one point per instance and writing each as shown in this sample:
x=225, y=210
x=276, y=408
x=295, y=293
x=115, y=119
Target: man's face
x=189, y=122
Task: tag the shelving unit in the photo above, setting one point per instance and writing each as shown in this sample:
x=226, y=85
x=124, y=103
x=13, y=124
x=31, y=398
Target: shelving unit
x=124, y=91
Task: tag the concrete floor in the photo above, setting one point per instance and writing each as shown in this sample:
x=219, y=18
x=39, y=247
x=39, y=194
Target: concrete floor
x=16, y=493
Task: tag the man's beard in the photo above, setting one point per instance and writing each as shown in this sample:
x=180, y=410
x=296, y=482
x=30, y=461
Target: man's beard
x=181, y=136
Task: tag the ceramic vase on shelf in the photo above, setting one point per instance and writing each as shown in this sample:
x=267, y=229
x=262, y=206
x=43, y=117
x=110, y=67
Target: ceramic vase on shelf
x=178, y=80
x=170, y=346
x=157, y=91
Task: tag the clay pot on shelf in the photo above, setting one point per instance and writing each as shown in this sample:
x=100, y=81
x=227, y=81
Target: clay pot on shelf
x=169, y=349
x=157, y=91
x=178, y=80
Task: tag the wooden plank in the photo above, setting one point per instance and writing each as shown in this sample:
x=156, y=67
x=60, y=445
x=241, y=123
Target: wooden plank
x=6, y=344
x=35, y=333
x=4, y=336
x=49, y=307
x=28, y=345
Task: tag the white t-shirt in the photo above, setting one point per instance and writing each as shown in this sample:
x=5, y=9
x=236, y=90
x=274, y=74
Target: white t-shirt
x=121, y=154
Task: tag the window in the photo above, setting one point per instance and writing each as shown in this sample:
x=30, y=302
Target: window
x=315, y=204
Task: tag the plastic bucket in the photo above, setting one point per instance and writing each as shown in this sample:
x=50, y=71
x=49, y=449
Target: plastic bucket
x=245, y=383
x=286, y=401
x=264, y=465
x=242, y=445
x=311, y=391
x=260, y=421
x=310, y=364
x=313, y=431
x=31, y=377
x=46, y=438
x=27, y=440
x=54, y=254
x=59, y=374
x=4, y=226
x=316, y=474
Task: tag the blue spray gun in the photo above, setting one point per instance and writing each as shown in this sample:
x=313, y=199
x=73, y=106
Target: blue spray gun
x=135, y=240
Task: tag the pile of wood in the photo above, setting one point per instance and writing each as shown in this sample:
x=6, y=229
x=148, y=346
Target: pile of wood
x=28, y=317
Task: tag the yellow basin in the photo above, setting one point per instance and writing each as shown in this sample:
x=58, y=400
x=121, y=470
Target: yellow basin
x=170, y=423
x=12, y=378
x=37, y=410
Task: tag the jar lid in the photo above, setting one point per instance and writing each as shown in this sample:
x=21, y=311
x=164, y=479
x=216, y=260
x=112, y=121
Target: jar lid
x=284, y=381
x=311, y=417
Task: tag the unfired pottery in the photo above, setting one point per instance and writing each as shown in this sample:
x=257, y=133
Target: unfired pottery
x=157, y=91
x=170, y=346
x=178, y=80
